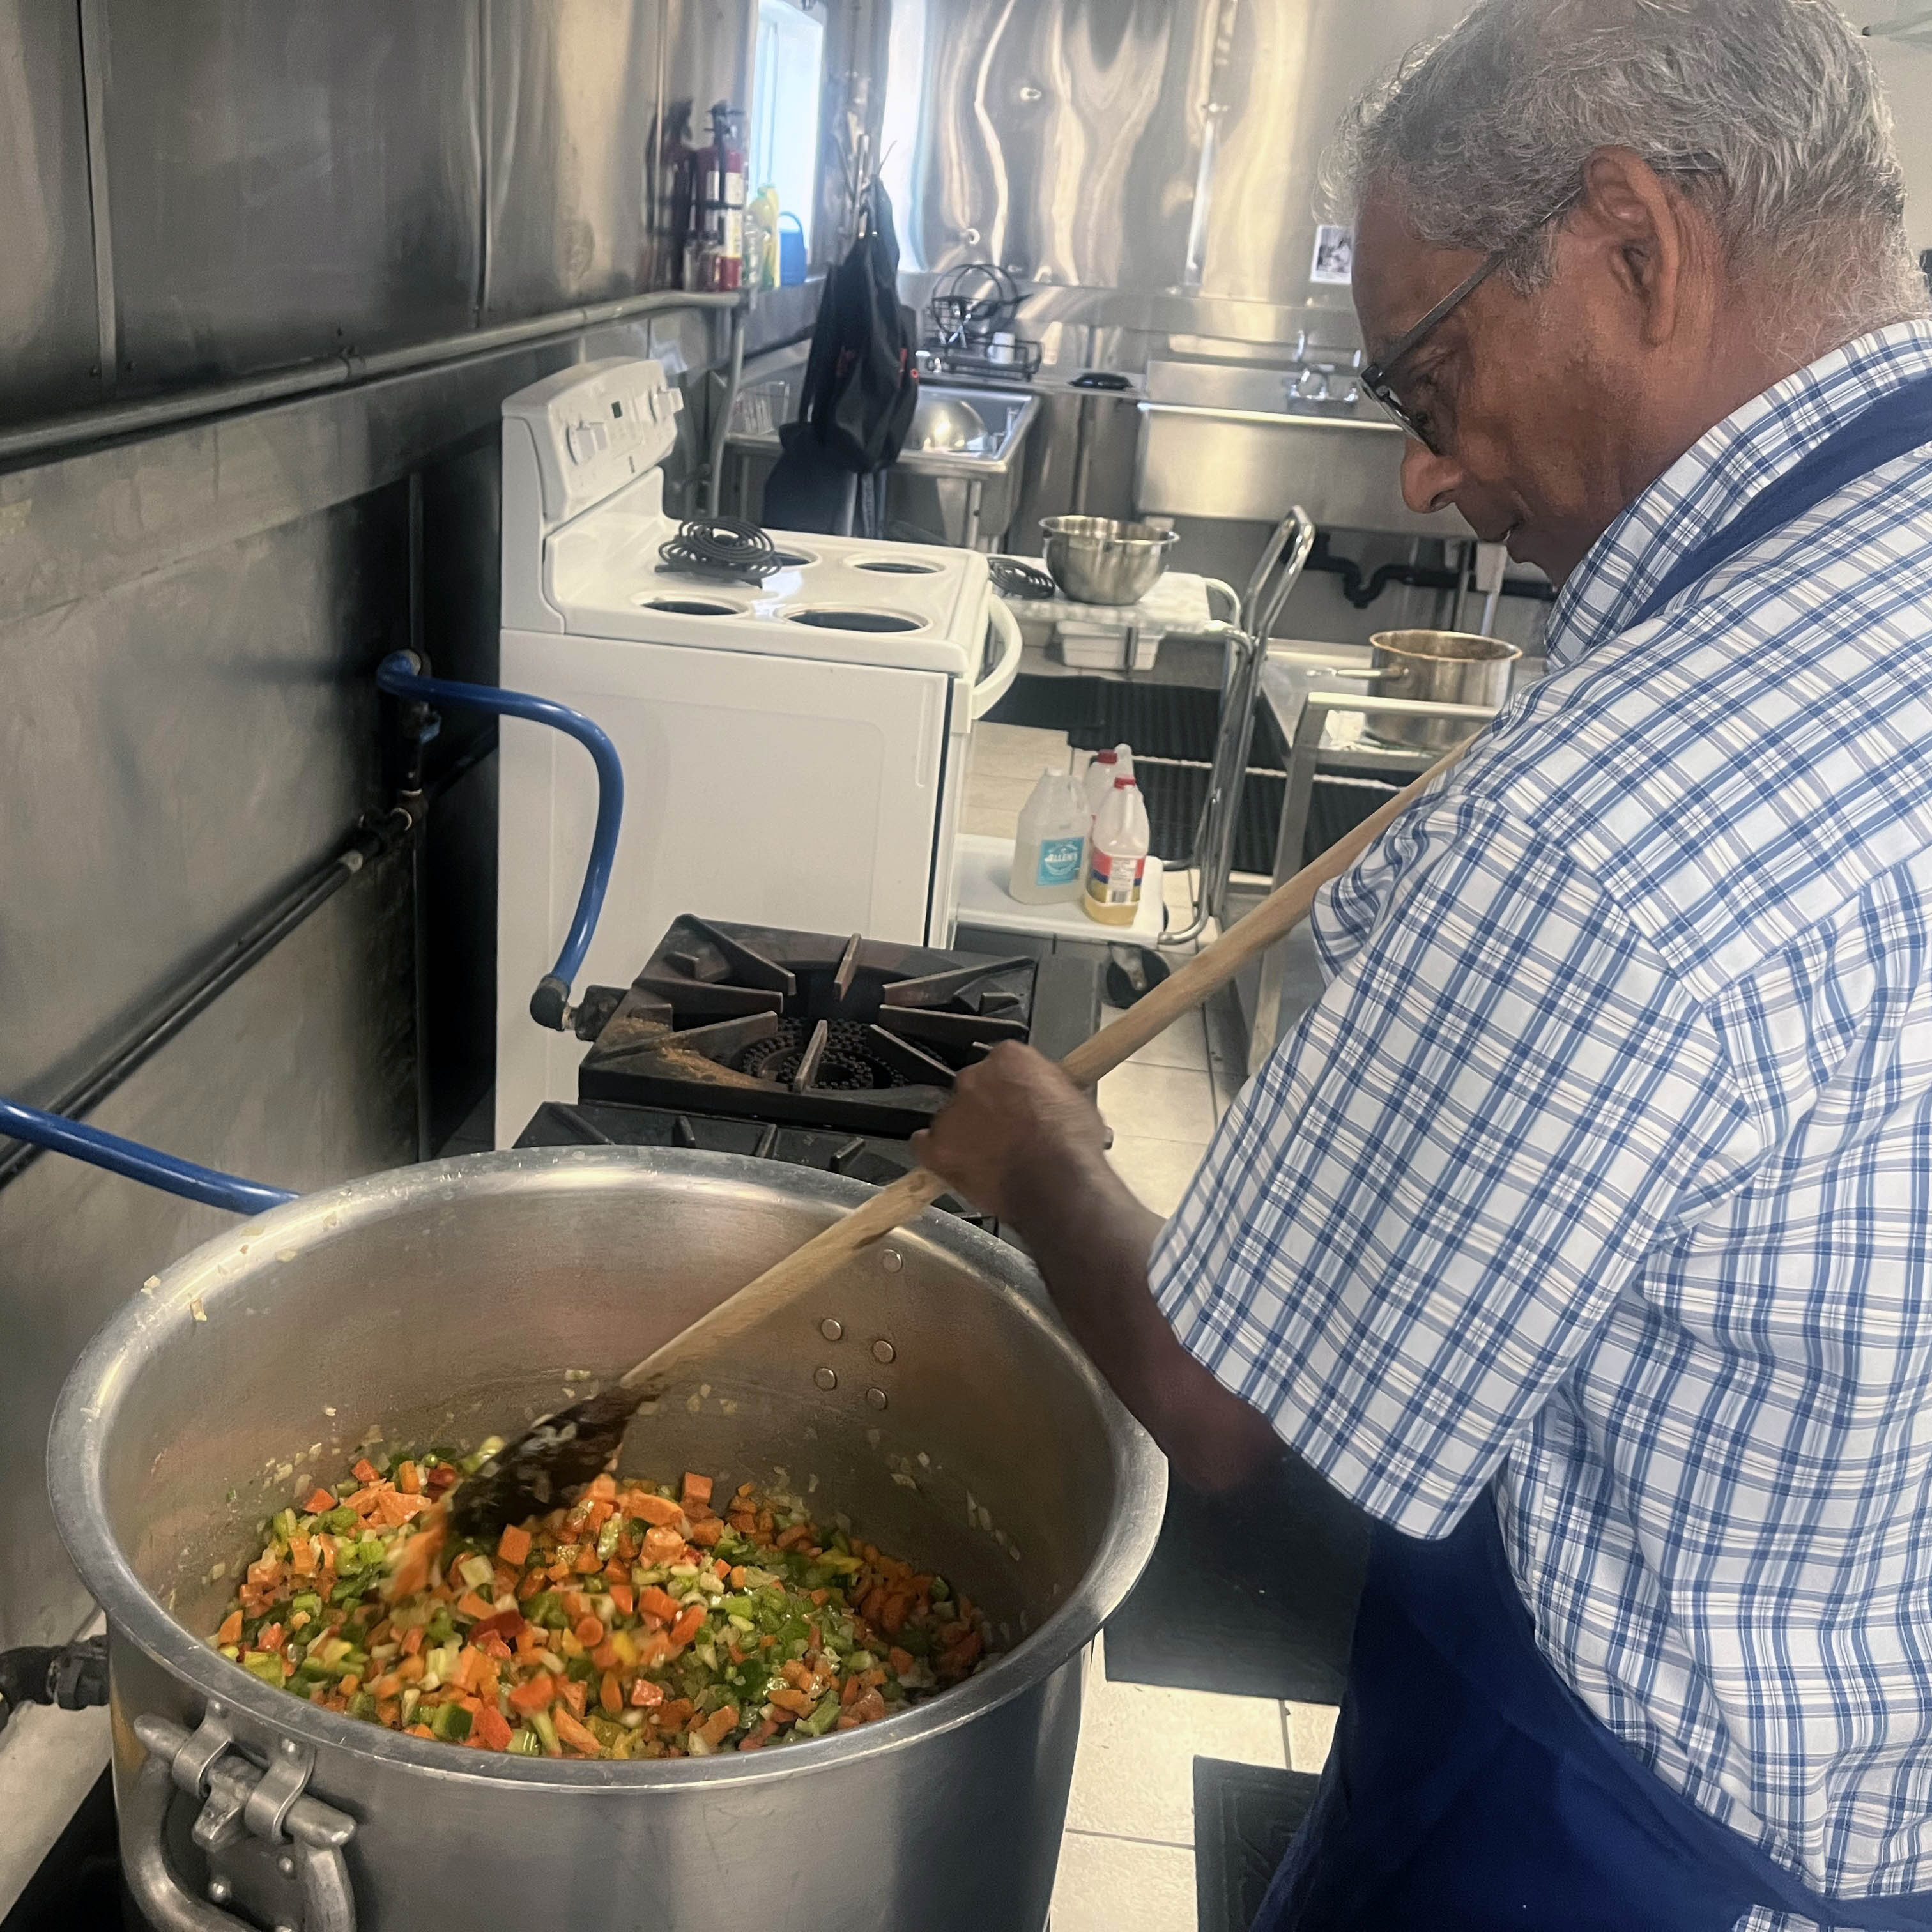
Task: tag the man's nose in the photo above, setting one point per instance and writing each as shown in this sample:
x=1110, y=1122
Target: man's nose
x=1428, y=481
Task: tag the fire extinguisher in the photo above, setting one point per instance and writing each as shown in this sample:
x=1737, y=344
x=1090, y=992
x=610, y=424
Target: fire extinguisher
x=714, y=256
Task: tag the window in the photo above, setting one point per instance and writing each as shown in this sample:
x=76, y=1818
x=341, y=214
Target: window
x=791, y=63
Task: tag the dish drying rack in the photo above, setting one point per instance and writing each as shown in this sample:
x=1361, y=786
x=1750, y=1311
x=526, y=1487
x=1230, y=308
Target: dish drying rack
x=972, y=308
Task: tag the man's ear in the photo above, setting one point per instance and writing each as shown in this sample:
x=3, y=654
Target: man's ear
x=1634, y=228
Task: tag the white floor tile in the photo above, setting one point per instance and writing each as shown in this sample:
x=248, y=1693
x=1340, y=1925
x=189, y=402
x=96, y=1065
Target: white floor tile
x=1184, y=1043
x=1160, y=1172
x=1118, y=1884
x=1310, y=1731
x=1017, y=750
x=1134, y=1776
x=1163, y=1103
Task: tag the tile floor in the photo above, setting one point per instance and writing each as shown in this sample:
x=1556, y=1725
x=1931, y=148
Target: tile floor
x=1128, y=1858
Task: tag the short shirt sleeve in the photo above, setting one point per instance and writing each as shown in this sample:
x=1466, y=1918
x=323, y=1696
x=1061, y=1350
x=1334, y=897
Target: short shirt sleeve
x=1413, y=1221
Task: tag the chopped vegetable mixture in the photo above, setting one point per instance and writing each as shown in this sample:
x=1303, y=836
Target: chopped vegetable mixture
x=635, y=1623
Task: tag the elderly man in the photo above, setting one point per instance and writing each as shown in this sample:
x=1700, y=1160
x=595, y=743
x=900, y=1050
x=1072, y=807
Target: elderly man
x=1582, y=1234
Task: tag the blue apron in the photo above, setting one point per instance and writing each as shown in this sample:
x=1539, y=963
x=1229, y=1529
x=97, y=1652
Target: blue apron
x=1470, y=1788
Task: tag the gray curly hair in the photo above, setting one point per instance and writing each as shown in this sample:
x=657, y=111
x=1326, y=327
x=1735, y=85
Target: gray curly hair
x=1766, y=113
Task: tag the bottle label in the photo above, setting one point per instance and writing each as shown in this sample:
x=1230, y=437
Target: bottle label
x=1113, y=879
x=1059, y=861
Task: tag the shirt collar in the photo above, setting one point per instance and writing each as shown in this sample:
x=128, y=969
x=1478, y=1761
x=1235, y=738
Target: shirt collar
x=1713, y=480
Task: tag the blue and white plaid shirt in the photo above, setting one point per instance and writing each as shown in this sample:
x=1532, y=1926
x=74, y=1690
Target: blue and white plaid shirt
x=1603, y=1167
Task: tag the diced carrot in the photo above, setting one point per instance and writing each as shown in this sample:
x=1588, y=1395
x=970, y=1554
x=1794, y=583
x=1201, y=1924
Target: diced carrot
x=800, y=1532
x=589, y=1631
x=514, y=1545
x=409, y=1479
x=573, y=1693
x=386, y=1686
x=902, y=1660
x=301, y=1555
x=658, y=1510
x=588, y=1563
x=364, y=1471
x=786, y=1699
x=470, y=1604
x=349, y=1685
x=322, y=1499
x=575, y=1735
x=421, y=1731
x=469, y=1667
x=609, y=1695
x=623, y=1599
x=605, y=1656
x=230, y=1631
x=850, y=1694
x=535, y=1693
x=659, y=1604
x=718, y=1725
x=663, y=1546
x=412, y=1641
x=597, y=1514
x=491, y=1730
x=393, y=1508
x=675, y=1713
x=646, y=1693
x=270, y=1638
x=531, y=1585
x=412, y=1669
x=603, y=1488
x=687, y=1626
x=697, y=1490
x=893, y=1617
x=757, y=1740
x=389, y=1712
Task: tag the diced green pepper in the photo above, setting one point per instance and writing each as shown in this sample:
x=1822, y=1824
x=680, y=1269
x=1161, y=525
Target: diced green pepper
x=450, y=1722
x=821, y=1719
x=307, y=1601
x=524, y=1742
x=267, y=1665
x=546, y=1729
x=362, y=1704
x=340, y=1522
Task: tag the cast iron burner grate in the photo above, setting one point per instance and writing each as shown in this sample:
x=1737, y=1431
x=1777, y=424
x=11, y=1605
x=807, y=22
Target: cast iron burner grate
x=799, y=1027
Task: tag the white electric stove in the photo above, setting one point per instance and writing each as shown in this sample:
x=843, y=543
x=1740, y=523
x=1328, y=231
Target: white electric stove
x=794, y=748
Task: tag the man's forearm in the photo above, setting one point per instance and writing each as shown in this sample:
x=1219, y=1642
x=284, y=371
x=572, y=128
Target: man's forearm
x=1092, y=1241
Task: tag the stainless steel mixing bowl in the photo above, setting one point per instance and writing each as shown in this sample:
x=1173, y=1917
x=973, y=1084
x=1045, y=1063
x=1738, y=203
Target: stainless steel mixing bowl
x=1103, y=560
x=443, y=1303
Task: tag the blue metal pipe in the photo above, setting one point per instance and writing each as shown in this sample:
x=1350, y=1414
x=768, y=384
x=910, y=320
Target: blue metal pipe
x=207, y=1185
x=400, y=674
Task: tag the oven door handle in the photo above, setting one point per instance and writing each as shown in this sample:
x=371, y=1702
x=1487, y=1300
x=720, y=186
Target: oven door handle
x=999, y=680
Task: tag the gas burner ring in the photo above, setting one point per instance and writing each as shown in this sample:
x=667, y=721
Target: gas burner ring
x=846, y=1066
x=788, y=559
x=690, y=606
x=898, y=566
x=855, y=618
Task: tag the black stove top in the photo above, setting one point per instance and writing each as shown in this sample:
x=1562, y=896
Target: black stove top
x=604, y=1123
x=813, y=1030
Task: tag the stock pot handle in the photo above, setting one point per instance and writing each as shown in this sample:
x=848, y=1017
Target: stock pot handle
x=241, y=1801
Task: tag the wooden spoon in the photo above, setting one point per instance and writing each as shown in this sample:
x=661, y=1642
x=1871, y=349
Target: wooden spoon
x=533, y=1474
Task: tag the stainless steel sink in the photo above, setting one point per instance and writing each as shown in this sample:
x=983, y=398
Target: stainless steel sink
x=1245, y=444
x=957, y=480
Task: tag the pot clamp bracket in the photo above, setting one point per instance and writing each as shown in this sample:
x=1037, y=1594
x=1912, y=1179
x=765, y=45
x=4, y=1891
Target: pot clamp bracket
x=269, y=1846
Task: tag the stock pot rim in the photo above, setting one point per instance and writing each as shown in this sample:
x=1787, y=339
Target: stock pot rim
x=109, y=1367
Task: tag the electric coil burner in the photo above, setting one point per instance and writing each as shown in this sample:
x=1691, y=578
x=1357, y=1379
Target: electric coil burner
x=807, y=1029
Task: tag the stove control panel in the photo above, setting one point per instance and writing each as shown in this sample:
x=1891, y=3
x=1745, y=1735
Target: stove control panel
x=591, y=430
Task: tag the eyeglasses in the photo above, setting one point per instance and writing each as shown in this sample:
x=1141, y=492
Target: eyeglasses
x=1375, y=378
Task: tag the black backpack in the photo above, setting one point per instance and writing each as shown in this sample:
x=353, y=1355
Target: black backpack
x=862, y=379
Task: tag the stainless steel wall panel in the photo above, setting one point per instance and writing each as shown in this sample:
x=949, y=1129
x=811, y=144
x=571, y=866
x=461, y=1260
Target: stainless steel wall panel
x=50, y=337
x=1065, y=140
x=301, y=1075
x=571, y=113
x=286, y=182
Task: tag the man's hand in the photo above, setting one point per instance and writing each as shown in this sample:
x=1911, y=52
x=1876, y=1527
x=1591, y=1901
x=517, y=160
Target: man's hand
x=1018, y=1136
x=1021, y=1141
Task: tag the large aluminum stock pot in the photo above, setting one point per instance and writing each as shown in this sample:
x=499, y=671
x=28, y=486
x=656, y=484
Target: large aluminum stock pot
x=961, y=1427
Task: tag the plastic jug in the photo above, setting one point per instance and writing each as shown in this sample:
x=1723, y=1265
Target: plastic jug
x=1117, y=865
x=1050, y=852
x=1101, y=770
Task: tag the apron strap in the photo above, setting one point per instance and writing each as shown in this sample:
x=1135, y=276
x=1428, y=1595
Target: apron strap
x=1892, y=427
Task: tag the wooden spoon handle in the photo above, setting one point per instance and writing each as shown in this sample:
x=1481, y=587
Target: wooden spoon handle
x=1151, y=1014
